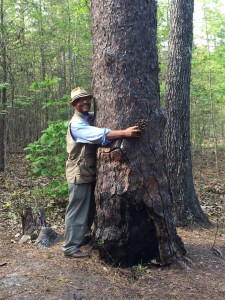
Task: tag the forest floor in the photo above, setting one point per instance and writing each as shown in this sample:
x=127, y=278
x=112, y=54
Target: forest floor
x=27, y=272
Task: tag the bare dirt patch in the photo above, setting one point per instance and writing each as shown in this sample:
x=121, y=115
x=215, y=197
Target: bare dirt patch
x=27, y=272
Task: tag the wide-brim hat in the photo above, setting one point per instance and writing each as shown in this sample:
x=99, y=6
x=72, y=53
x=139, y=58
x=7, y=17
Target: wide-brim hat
x=78, y=93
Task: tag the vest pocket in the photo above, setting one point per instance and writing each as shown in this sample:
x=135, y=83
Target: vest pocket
x=87, y=171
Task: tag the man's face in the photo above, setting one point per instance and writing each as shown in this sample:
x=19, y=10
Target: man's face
x=82, y=105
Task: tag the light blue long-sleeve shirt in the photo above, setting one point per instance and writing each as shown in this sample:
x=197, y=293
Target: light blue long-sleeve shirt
x=84, y=133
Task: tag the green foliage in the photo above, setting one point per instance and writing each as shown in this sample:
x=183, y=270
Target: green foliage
x=7, y=210
x=101, y=243
x=208, y=70
x=4, y=85
x=45, y=84
x=190, y=220
x=49, y=52
x=60, y=106
x=8, y=215
x=163, y=24
x=10, y=205
x=162, y=43
x=48, y=156
x=207, y=86
x=140, y=268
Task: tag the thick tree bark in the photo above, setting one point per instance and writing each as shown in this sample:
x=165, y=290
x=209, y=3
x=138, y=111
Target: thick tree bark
x=3, y=94
x=3, y=134
x=134, y=212
x=177, y=133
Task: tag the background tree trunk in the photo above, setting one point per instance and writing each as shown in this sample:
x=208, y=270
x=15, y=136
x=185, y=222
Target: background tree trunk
x=134, y=212
x=177, y=133
x=3, y=94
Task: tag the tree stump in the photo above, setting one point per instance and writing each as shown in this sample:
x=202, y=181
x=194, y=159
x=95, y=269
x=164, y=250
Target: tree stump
x=37, y=228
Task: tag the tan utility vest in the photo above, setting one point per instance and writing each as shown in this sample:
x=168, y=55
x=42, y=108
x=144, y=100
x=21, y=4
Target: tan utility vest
x=81, y=162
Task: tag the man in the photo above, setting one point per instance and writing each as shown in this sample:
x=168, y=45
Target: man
x=82, y=141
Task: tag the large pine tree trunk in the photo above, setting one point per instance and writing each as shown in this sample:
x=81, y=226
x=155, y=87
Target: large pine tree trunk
x=177, y=133
x=134, y=212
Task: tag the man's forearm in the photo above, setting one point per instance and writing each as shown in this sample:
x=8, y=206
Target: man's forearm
x=129, y=132
x=115, y=134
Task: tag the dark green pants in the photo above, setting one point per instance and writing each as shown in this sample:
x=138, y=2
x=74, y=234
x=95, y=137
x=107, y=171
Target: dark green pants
x=79, y=215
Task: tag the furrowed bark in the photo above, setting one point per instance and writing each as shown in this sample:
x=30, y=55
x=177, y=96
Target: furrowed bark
x=134, y=209
x=177, y=134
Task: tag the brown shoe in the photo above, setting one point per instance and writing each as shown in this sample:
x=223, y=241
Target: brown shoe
x=78, y=254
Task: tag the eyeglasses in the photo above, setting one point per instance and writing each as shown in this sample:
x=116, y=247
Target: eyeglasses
x=87, y=99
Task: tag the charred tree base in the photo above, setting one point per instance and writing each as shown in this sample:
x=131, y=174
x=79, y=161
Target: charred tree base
x=132, y=241
x=134, y=213
x=139, y=249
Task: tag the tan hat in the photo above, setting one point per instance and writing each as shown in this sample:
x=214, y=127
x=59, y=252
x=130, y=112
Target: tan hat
x=78, y=93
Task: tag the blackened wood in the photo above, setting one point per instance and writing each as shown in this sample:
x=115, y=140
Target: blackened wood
x=47, y=237
x=32, y=224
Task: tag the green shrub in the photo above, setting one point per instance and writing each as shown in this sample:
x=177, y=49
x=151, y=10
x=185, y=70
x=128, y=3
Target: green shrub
x=48, y=157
